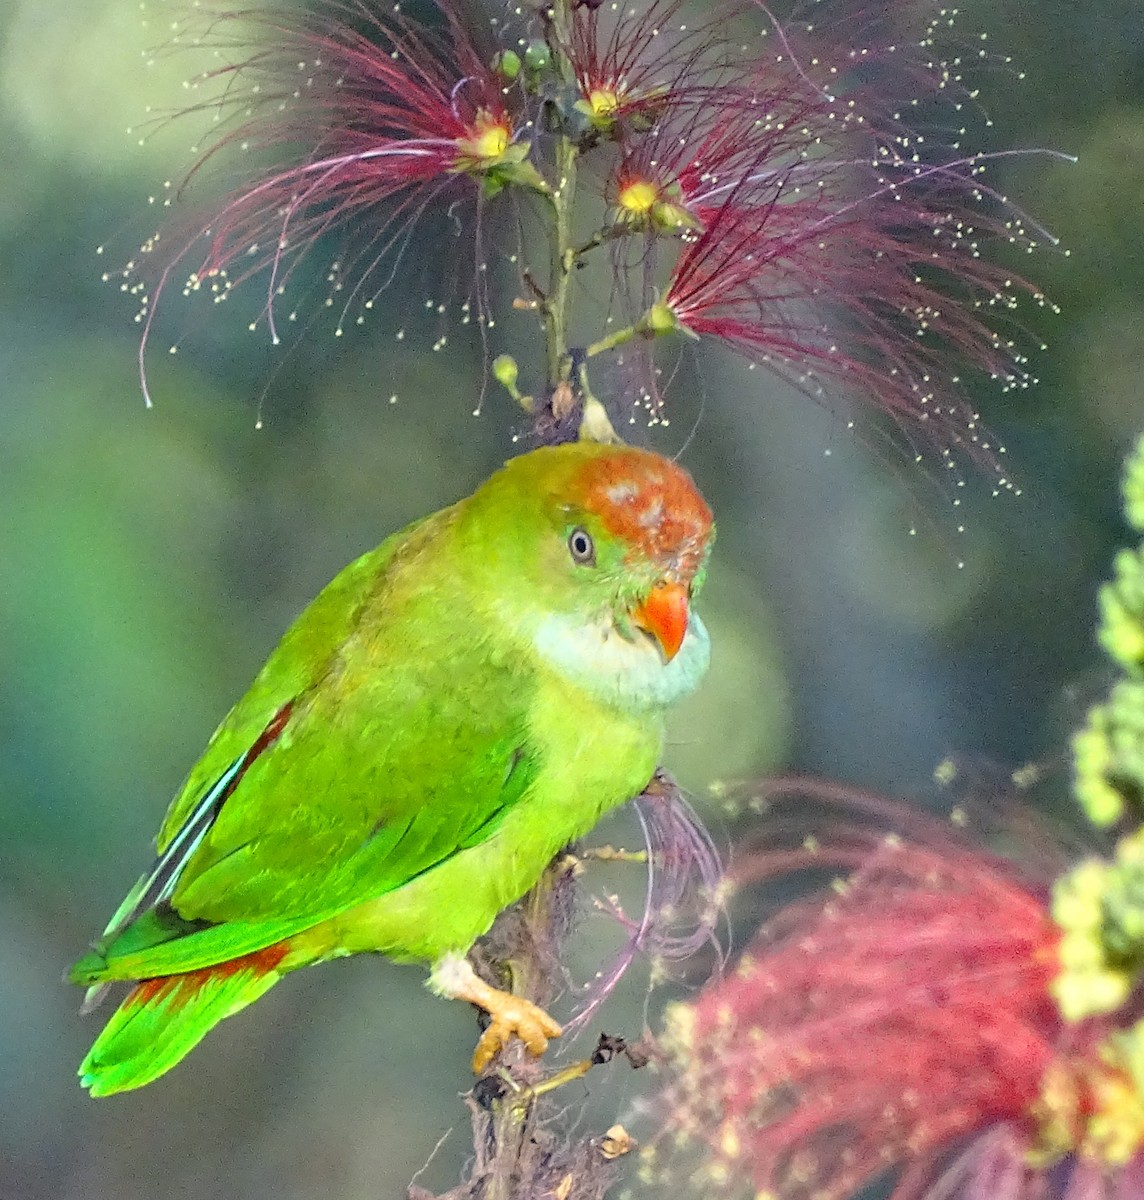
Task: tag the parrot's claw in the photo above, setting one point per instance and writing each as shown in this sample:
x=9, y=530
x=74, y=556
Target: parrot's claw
x=512, y=1016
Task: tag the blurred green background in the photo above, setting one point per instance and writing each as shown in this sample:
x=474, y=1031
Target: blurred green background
x=150, y=559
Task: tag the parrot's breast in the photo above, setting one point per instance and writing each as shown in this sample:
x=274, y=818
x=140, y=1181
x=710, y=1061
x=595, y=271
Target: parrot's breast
x=590, y=757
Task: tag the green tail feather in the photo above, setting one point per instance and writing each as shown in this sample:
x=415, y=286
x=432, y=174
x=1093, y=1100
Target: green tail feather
x=164, y=1019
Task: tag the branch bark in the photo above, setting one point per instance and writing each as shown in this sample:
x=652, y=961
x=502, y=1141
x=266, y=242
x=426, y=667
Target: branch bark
x=522, y=1149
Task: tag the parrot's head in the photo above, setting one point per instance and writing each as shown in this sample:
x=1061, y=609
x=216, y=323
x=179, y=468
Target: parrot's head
x=606, y=548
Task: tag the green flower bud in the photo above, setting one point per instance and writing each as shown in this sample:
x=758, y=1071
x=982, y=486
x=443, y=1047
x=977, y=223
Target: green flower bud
x=537, y=56
x=505, y=372
x=1122, y=611
x=1134, y=487
x=1092, y=758
x=507, y=64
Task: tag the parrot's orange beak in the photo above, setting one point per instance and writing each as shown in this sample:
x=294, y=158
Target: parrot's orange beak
x=664, y=614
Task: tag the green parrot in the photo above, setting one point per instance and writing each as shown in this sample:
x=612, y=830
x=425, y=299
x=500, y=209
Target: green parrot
x=449, y=713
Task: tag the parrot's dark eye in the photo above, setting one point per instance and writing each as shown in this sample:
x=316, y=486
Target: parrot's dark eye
x=582, y=548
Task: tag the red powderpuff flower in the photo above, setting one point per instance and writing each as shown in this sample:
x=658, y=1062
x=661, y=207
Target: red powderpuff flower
x=736, y=147
x=903, y=1022
x=827, y=237
x=380, y=116
x=632, y=62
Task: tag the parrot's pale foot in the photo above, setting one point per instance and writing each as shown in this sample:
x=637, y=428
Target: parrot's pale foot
x=511, y=1016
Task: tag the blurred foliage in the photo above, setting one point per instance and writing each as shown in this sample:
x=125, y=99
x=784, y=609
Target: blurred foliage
x=150, y=559
x=1099, y=904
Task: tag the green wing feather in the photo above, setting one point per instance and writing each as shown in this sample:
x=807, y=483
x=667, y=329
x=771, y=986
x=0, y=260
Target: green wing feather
x=307, y=653
x=383, y=768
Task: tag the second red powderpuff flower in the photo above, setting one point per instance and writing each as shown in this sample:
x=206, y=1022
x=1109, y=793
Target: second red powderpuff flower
x=904, y=1023
x=797, y=216
x=366, y=117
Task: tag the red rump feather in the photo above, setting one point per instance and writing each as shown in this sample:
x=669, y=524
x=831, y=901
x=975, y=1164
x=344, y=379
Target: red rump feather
x=178, y=990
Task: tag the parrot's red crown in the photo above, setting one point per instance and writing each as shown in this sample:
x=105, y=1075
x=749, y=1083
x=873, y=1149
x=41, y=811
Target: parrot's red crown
x=650, y=502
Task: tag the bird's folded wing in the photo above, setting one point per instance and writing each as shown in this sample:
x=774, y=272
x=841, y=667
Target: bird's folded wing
x=367, y=751
x=303, y=833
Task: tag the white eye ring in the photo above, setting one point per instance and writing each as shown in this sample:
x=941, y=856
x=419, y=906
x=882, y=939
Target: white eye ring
x=581, y=547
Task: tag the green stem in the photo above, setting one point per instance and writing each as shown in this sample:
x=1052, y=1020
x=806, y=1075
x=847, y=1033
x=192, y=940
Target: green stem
x=561, y=264
x=658, y=320
x=619, y=338
x=610, y=233
x=562, y=255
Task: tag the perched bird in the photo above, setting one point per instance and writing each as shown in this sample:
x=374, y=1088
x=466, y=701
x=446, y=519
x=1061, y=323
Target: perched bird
x=450, y=712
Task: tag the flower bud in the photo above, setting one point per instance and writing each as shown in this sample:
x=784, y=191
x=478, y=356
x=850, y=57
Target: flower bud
x=537, y=56
x=505, y=372
x=507, y=64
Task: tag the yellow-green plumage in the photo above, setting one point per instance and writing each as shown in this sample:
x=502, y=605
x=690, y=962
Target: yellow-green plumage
x=453, y=709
